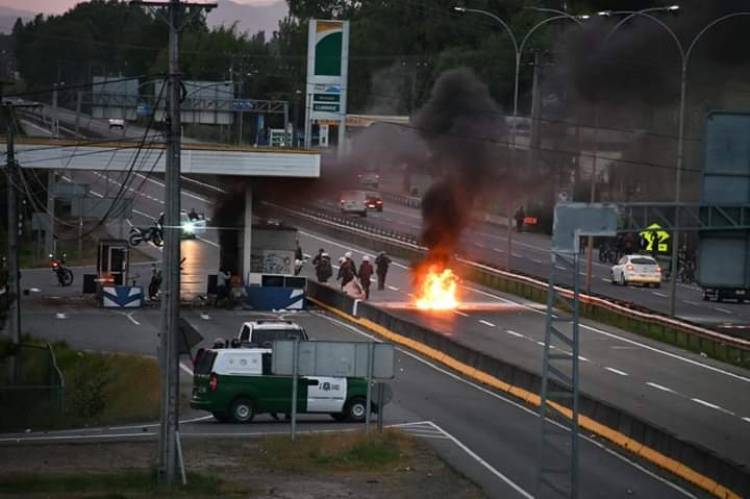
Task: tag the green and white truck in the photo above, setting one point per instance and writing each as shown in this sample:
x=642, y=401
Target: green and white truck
x=235, y=384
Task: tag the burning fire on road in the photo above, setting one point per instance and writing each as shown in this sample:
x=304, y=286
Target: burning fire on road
x=436, y=289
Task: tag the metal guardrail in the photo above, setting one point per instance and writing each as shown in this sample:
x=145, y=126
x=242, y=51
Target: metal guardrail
x=409, y=243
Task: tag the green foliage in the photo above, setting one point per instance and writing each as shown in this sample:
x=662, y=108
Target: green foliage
x=88, y=387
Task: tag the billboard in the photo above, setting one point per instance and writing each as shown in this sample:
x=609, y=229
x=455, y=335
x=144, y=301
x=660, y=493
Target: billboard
x=724, y=256
x=327, y=71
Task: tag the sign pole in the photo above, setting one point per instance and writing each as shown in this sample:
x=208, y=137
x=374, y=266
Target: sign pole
x=381, y=406
x=295, y=361
x=368, y=405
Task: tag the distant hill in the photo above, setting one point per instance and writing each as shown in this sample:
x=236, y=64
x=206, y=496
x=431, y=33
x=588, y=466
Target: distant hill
x=249, y=18
x=9, y=15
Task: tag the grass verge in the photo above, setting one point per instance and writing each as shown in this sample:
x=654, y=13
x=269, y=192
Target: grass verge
x=114, y=485
x=346, y=451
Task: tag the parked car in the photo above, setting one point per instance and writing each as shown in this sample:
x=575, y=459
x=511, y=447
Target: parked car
x=374, y=201
x=235, y=384
x=263, y=333
x=354, y=202
x=636, y=269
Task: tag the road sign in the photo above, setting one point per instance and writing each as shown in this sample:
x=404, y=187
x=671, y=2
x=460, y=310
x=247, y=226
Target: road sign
x=333, y=358
x=328, y=108
x=655, y=239
x=326, y=97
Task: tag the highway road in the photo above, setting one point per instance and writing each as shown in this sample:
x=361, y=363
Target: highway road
x=697, y=398
x=483, y=434
x=530, y=254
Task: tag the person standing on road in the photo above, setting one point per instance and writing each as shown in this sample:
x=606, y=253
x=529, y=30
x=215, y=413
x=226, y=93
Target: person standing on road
x=365, y=272
x=222, y=288
x=381, y=268
x=520, y=216
x=350, y=261
x=323, y=268
x=346, y=273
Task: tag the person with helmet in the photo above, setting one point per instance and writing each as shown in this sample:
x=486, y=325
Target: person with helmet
x=323, y=268
x=350, y=261
x=365, y=272
x=381, y=268
x=346, y=273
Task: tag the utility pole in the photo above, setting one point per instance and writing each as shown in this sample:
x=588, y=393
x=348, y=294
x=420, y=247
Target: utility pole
x=170, y=455
x=14, y=274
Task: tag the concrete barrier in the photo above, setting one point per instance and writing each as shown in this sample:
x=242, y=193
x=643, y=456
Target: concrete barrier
x=688, y=460
x=640, y=321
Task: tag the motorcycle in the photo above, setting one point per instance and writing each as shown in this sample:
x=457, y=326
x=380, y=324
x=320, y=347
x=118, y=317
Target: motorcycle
x=64, y=275
x=139, y=235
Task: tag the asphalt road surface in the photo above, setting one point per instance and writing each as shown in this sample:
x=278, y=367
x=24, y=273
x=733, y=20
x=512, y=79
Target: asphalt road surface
x=484, y=435
x=697, y=398
x=530, y=254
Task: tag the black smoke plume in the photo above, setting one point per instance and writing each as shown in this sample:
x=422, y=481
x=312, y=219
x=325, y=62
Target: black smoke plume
x=462, y=127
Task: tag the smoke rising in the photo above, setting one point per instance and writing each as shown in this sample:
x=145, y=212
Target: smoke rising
x=460, y=123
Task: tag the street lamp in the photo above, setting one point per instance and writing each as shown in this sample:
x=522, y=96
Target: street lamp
x=685, y=52
x=518, y=49
x=592, y=191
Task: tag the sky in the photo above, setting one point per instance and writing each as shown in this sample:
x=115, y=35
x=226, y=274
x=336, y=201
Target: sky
x=60, y=6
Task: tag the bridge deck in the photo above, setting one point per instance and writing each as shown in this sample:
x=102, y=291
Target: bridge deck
x=213, y=159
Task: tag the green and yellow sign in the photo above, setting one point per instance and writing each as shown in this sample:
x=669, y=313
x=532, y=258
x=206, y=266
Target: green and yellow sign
x=655, y=239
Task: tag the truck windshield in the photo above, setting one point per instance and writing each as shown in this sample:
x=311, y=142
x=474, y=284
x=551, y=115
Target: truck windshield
x=267, y=337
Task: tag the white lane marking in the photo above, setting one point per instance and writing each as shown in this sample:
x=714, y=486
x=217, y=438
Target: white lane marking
x=209, y=242
x=186, y=369
x=584, y=326
x=141, y=213
x=712, y=406
x=726, y=311
x=745, y=419
x=656, y=293
x=660, y=387
x=536, y=260
x=513, y=403
x=498, y=250
x=513, y=333
x=690, y=302
x=61, y=315
x=584, y=359
x=540, y=343
x=606, y=279
x=616, y=371
x=462, y=314
x=516, y=255
x=96, y=194
x=479, y=245
x=131, y=318
x=486, y=323
x=392, y=288
x=484, y=463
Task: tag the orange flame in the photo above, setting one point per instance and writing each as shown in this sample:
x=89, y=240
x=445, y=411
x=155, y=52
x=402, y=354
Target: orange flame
x=438, y=290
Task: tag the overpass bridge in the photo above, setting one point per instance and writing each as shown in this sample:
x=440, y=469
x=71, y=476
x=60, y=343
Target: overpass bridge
x=208, y=159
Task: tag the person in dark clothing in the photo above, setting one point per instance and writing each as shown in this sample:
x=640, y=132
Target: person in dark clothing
x=381, y=268
x=350, y=261
x=193, y=215
x=346, y=272
x=519, y=216
x=298, y=254
x=323, y=268
x=317, y=257
x=365, y=272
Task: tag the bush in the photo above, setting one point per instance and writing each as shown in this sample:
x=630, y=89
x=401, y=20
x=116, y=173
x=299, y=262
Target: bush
x=87, y=390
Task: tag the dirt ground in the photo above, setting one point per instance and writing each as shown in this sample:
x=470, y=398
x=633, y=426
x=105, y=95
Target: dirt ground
x=246, y=468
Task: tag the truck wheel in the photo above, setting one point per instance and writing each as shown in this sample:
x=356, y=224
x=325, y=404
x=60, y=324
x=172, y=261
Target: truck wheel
x=242, y=410
x=356, y=409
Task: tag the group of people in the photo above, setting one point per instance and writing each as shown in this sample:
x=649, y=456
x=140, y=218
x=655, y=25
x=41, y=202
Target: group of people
x=354, y=282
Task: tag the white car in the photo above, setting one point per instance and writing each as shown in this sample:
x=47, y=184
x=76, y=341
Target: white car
x=116, y=123
x=636, y=269
x=354, y=202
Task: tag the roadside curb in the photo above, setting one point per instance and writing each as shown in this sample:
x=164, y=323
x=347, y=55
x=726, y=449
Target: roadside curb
x=686, y=460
